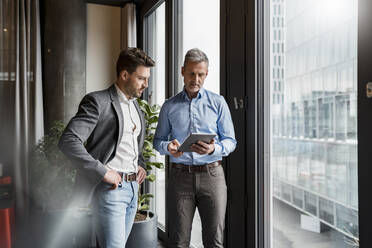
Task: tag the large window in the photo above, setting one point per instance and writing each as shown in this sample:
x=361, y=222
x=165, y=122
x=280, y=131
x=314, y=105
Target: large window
x=199, y=27
x=155, y=47
x=313, y=119
x=199, y=24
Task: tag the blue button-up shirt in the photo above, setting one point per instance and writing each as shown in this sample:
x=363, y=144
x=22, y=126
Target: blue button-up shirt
x=207, y=113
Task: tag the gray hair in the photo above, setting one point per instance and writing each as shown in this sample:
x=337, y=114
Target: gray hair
x=195, y=55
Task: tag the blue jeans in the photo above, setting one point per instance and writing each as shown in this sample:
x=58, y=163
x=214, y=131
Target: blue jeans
x=114, y=212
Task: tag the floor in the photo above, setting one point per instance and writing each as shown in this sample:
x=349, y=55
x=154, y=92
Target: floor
x=287, y=232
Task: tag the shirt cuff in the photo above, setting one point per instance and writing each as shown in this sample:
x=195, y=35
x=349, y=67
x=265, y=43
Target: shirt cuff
x=217, y=150
x=164, y=146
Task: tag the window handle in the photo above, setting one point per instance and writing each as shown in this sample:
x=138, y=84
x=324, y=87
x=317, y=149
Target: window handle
x=238, y=103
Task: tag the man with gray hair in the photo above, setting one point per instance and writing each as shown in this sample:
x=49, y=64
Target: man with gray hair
x=196, y=178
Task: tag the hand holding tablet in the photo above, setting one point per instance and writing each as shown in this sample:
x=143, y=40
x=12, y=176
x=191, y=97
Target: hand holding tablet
x=193, y=138
x=173, y=148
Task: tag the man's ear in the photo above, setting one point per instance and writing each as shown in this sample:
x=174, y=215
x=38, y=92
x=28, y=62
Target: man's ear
x=183, y=71
x=124, y=75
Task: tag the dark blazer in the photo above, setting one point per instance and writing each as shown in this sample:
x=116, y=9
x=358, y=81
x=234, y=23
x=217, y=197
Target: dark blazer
x=91, y=138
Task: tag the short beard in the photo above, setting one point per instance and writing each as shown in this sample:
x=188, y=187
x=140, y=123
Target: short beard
x=131, y=91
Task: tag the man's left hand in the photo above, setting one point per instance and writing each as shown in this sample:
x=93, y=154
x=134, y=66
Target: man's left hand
x=141, y=175
x=203, y=148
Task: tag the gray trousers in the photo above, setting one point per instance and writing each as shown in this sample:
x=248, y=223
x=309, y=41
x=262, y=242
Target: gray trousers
x=205, y=190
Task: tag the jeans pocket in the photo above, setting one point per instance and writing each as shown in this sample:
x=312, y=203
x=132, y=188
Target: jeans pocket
x=103, y=186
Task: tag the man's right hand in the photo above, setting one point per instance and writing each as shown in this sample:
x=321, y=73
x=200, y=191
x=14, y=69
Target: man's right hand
x=173, y=148
x=112, y=177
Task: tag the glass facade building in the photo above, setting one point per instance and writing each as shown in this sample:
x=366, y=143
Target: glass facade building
x=313, y=78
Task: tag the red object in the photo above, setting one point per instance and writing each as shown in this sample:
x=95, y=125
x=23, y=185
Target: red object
x=6, y=226
x=5, y=180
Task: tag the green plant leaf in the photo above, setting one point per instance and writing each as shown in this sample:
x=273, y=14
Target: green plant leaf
x=144, y=200
x=151, y=177
x=151, y=114
x=153, y=119
x=144, y=207
x=155, y=108
x=145, y=196
x=158, y=165
x=148, y=154
x=50, y=167
x=148, y=144
x=148, y=109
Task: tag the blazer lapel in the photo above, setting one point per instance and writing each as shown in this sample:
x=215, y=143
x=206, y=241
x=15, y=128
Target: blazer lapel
x=116, y=104
x=142, y=119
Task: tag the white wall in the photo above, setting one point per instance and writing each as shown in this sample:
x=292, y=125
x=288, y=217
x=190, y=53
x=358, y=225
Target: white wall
x=103, y=45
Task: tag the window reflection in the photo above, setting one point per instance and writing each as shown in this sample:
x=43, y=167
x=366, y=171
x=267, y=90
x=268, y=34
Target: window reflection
x=314, y=127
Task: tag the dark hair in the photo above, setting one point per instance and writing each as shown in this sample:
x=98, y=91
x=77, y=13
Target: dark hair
x=132, y=57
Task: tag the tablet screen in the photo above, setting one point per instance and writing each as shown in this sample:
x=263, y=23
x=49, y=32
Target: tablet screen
x=194, y=138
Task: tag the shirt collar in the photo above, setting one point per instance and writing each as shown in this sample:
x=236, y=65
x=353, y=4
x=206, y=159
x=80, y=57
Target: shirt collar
x=122, y=96
x=200, y=93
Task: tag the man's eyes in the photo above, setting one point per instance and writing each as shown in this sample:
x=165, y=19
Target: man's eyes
x=200, y=75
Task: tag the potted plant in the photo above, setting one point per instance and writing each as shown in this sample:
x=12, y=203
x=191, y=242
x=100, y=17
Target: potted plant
x=144, y=231
x=52, y=178
x=51, y=173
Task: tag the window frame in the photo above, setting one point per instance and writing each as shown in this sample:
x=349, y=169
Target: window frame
x=144, y=11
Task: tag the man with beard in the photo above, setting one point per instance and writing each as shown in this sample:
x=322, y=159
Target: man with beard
x=196, y=178
x=104, y=140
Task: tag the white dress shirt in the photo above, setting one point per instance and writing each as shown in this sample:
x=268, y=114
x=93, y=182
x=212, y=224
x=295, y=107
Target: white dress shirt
x=126, y=157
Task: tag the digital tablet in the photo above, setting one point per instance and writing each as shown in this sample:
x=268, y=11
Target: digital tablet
x=194, y=138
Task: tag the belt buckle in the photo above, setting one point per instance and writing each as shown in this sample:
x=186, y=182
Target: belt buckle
x=125, y=177
x=128, y=175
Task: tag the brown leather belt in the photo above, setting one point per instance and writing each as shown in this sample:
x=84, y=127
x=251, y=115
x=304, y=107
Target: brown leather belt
x=128, y=177
x=196, y=168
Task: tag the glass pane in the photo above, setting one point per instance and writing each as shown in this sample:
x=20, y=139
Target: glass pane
x=155, y=47
x=199, y=22
x=313, y=116
x=200, y=25
x=8, y=38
